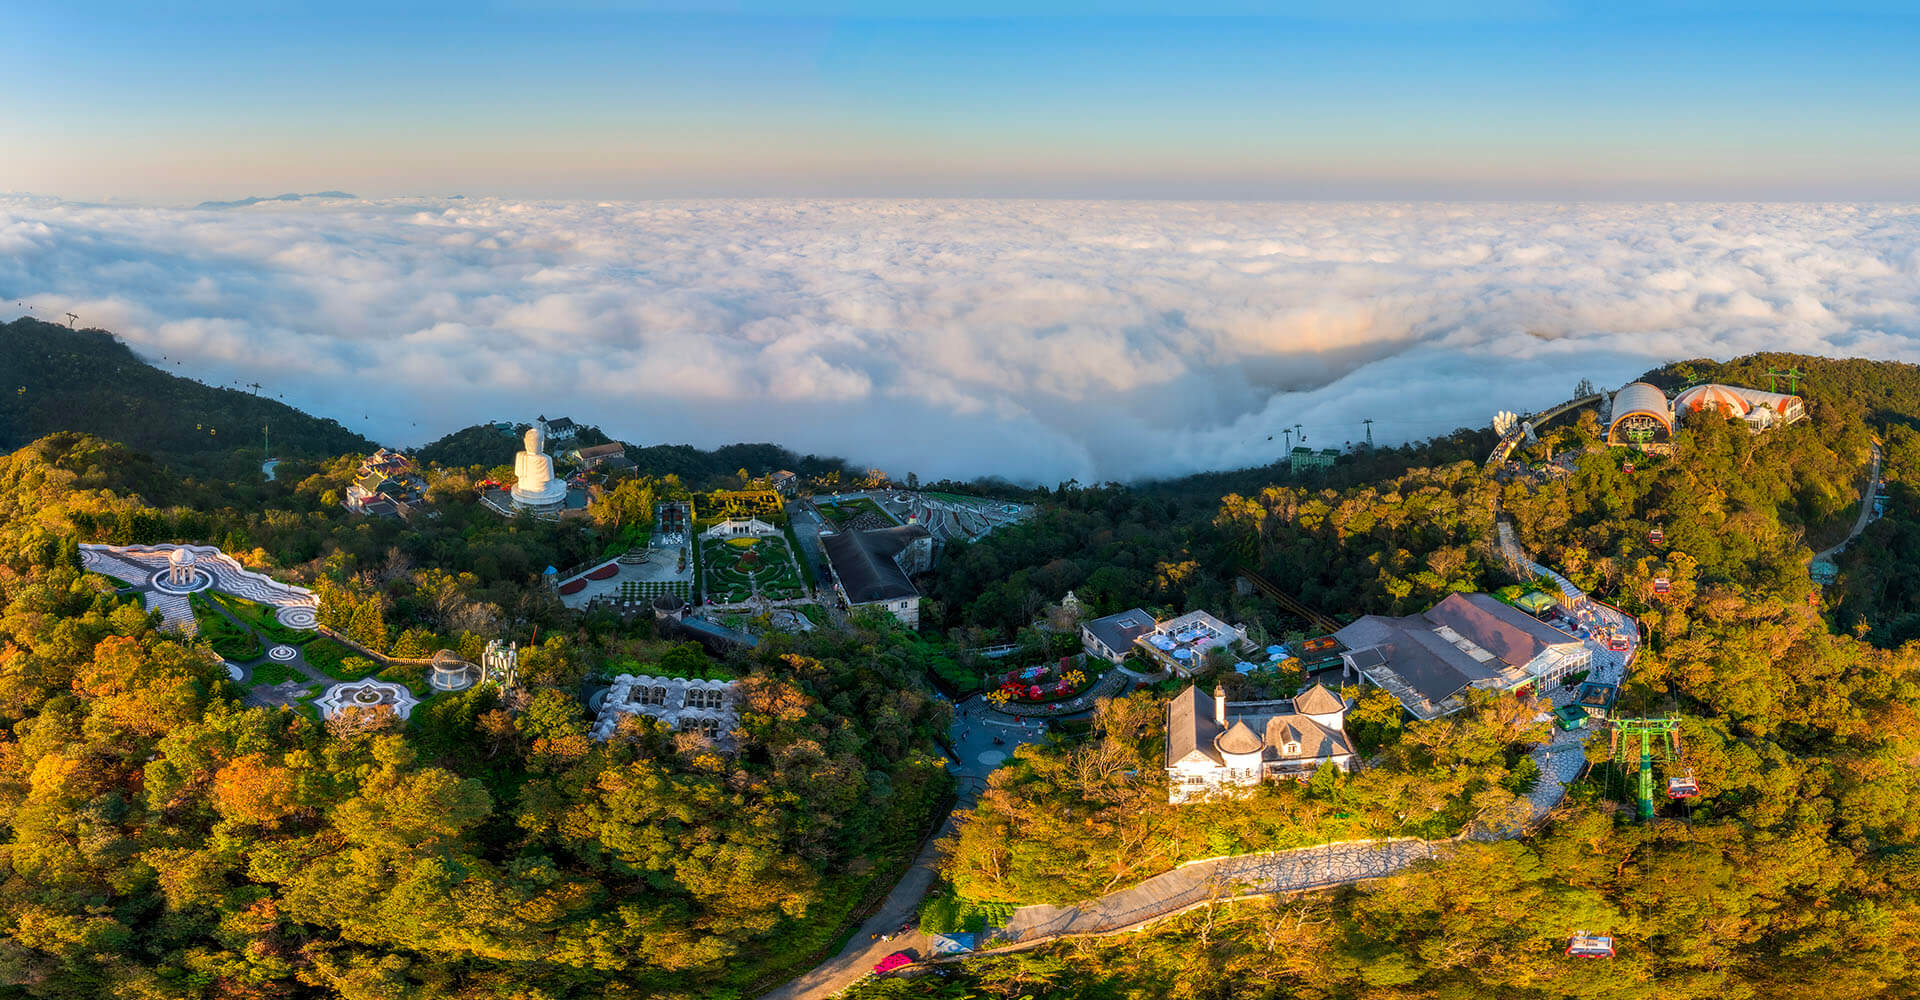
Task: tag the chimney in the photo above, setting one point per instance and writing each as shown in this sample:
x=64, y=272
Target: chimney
x=1219, y=705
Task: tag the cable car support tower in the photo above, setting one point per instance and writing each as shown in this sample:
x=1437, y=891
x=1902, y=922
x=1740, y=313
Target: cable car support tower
x=1667, y=729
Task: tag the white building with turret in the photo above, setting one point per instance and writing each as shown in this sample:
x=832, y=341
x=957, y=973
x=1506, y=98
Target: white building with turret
x=1218, y=747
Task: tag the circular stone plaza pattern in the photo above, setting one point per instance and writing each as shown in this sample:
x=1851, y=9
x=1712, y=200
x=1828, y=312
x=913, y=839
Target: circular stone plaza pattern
x=298, y=616
x=181, y=577
x=167, y=574
x=366, y=694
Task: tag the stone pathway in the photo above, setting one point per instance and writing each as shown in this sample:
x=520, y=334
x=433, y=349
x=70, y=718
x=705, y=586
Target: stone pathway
x=1275, y=872
x=1218, y=879
x=137, y=564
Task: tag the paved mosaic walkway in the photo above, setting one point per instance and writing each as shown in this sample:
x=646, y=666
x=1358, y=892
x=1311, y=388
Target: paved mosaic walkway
x=136, y=565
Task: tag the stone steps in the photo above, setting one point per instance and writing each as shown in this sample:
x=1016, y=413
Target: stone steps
x=176, y=611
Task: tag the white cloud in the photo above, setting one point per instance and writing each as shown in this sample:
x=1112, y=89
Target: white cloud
x=1036, y=339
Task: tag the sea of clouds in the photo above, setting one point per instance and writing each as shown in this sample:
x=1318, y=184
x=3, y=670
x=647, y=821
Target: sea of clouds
x=1038, y=340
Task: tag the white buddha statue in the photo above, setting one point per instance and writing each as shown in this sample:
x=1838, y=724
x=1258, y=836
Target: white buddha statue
x=534, y=485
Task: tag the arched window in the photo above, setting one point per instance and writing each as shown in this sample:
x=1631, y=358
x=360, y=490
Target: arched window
x=710, y=728
x=1292, y=749
x=657, y=695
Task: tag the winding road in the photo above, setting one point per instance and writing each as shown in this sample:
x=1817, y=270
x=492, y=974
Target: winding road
x=1866, y=510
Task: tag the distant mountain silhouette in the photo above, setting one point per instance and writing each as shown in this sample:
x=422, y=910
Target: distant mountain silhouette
x=244, y=202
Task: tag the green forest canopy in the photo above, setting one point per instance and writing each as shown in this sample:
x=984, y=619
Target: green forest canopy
x=164, y=840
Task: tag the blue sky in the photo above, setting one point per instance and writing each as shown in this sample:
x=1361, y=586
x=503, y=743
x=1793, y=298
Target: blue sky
x=160, y=102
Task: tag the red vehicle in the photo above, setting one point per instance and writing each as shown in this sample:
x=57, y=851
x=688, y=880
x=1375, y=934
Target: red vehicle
x=1683, y=786
x=1618, y=643
x=1661, y=585
x=1656, y=536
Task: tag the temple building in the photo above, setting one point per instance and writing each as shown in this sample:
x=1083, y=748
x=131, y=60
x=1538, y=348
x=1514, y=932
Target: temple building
x=1216, y=747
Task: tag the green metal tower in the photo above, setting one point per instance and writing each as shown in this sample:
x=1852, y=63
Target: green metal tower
x=1646, y=729
x=1793, y=376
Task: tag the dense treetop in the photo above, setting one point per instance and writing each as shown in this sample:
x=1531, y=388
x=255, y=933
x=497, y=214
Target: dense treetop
x=165, y=838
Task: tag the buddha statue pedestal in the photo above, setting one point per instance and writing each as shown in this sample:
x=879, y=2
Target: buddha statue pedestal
x=535, y=487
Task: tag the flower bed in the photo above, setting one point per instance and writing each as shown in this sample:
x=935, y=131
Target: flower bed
x=1013, y=690
x=574, y=587
x=607, y=572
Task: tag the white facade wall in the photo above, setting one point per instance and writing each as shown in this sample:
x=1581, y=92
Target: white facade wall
x=684, y=704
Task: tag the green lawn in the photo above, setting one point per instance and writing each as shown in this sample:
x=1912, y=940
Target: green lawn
x=846, y=510
x=270, y=673
x=260, y=618
x=413, y=675
x=329, y=657
x=304, y=704
x=230, y=641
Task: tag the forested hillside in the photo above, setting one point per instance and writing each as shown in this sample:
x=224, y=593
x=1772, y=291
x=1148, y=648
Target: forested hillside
x=56, y=379
x=1792, y=872
x=164, y=838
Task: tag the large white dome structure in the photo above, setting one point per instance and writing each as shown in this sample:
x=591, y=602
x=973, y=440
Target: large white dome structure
x=1640, y=418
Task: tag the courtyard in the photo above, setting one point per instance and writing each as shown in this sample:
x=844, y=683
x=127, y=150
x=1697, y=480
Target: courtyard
x=738, y=570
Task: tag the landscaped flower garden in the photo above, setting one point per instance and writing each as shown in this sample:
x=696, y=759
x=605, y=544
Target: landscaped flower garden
x=1038, y=685
x=737, y=568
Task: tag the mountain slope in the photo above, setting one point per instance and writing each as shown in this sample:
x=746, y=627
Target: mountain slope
x=56, y=379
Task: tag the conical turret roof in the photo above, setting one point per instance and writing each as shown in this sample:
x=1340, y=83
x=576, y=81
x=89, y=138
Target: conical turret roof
x=1317, y=700
x=1239, y=739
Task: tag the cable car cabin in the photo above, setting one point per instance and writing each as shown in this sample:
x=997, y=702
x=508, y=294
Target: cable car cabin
x=1661, y=585
x=1656, y=537
x=1586, y=945
x=1683, y=787
x=1627, y=468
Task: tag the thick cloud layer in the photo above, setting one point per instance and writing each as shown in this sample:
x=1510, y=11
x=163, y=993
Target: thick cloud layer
x=1037, y=340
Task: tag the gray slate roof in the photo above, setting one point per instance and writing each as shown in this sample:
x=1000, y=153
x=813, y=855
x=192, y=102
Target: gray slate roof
x=1190, y=726
x=1119, y=631
x=863, y=562
x=1191, y=729
x=1317, y=700
x=1427, y=663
